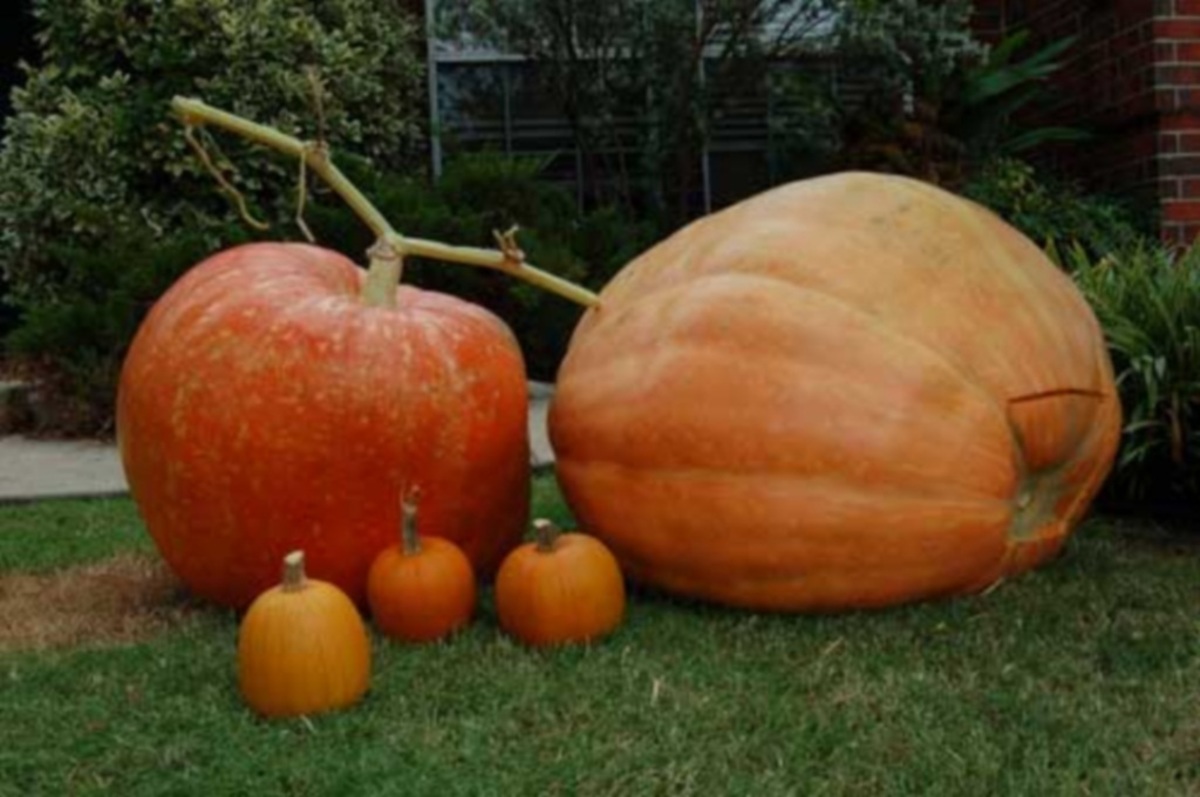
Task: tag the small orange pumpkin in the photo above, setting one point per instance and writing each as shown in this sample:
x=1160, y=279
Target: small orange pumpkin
x=302, y=647
x=423, y=588
x=561, y=588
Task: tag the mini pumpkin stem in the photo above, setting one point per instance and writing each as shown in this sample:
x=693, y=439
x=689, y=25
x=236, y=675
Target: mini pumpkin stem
x=293, y=571
x=547, y=534
x=410, y=541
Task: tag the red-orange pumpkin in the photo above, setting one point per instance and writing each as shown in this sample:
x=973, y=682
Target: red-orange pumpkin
x=265, y=407
x=560, y=589
x=847, y=392
x=423, y=588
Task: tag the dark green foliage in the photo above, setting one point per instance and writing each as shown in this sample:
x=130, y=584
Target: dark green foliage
x=992, y=93
x=476, y=195
x=104, y=292
x=85, y=330
x=103, y=205
x=1055, y=212
x=91, y=149
x=1148, y=301
x=941, y=102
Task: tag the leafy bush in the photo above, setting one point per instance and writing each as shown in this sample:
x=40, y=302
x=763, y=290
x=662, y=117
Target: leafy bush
x=105, y=292
x=81, y=339
x=940, y=100
x=1053, y=212
x=480, y=193
x=1148, y=301
x=90, y=146
x=102, y=202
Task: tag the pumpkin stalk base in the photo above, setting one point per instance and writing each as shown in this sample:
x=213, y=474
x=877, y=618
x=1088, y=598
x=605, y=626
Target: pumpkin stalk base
x=547, y=534
x=410, y=540
x=1035, y=505
x=383, y=274
x=293, y=572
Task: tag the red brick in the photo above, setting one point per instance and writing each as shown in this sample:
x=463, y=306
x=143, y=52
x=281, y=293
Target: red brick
x=1180, y=235
x=1177, y=76
x=1189, y=188
x=1187, y=52
x=1177, y=28
x=1181, y=211
x=1187, y=8
x=1180, y=122
x=1173, y=235
x=1180, y=165
x=1169, y=189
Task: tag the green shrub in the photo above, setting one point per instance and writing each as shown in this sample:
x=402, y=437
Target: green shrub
x=480, y=193
x=91, y=146
x=102, y=202
x=1148, y=301
x=1055, y=213
x=82, y=337
x=105, y=292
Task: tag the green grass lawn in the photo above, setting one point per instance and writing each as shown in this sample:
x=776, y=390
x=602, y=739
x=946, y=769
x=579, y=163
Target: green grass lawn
x=1083, y=678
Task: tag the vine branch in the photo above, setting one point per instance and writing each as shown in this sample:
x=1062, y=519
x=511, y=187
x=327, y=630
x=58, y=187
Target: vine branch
x=239, y=199
x=195, y=113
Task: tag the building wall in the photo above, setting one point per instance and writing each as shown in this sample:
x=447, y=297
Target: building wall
x=1133, y=79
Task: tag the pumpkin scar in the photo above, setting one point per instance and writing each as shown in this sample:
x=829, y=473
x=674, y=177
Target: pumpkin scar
x=1039, y=491
x=1056, y=393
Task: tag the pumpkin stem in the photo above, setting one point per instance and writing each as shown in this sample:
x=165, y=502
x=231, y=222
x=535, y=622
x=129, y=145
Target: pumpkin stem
x=410, y=541
x=293, y=571
x=387, y=264
x=547, y=534
x=195, y=113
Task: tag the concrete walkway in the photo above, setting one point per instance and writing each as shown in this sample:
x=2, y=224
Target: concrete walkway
x=34, y=469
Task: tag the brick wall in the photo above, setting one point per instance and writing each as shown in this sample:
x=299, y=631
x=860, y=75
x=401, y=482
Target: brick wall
x=1177, y=102
x=1133, y=79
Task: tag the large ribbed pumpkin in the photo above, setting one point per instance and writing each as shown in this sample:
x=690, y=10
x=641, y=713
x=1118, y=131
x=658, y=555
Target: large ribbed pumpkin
x=265, y=405
x=852, y=391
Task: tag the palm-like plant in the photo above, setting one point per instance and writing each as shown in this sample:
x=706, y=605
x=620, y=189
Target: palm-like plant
x=960, y=117
x=1148, y=301
x=985, y=112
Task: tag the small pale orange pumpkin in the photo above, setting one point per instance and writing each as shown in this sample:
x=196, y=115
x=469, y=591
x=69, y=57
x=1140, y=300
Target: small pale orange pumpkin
x=562, y=588
x=302, y=647
x=422, y=589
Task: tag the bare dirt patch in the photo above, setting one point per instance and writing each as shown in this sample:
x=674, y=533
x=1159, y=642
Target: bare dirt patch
x=126, y=598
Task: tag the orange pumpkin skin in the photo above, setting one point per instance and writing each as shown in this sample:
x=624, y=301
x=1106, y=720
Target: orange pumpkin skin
x=569, y=590
x=302, y=648
x=264, y=407
x=423, y=588
x=852, y=391
x=421, y=596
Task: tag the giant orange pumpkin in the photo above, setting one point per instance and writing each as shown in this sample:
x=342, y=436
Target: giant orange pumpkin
x=266, y=406
x=853, y=391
